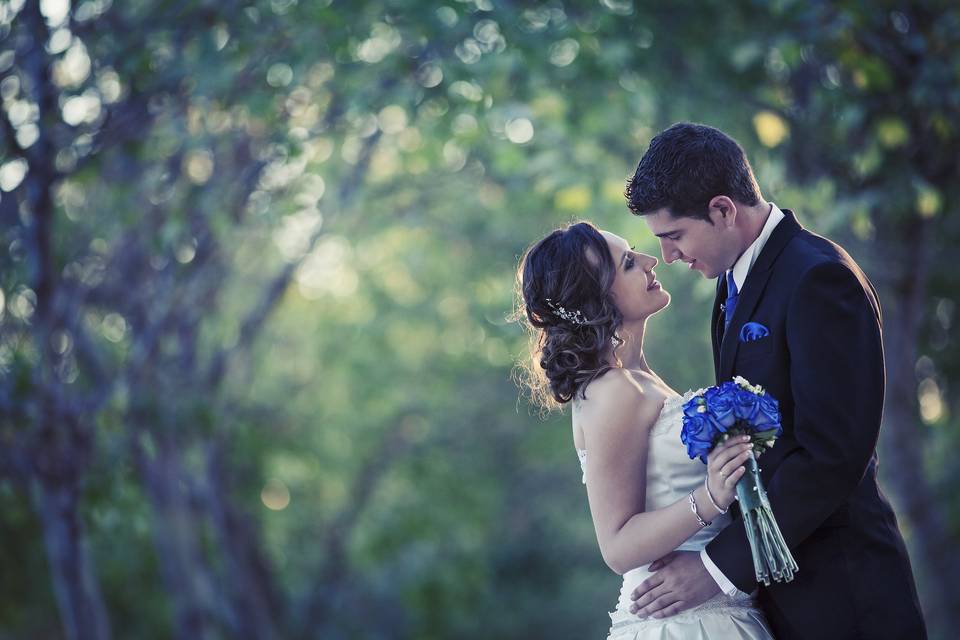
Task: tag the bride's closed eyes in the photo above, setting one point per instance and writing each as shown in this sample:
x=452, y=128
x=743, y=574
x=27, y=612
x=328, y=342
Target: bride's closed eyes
x=629, y=261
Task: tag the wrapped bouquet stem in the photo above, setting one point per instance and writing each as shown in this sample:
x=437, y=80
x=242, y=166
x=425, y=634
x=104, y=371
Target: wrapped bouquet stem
x=739, y=408
x=772, y=559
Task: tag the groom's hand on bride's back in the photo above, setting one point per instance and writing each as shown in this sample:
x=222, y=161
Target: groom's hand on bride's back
x=680, y=581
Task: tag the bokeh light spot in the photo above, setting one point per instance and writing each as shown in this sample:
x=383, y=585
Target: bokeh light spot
x=275, y=495
x=519, y=130
x=771, y=128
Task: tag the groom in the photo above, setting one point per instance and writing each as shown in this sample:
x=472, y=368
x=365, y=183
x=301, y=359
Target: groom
x=820, y=354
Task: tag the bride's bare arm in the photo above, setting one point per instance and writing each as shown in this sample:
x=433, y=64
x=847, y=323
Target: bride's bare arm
x=616, y=418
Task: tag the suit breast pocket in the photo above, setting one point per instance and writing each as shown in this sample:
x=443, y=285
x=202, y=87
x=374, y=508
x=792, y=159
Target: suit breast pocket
x=755, y=349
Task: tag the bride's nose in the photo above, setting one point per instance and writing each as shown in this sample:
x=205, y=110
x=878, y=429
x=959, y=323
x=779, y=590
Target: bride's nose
x=650, y=262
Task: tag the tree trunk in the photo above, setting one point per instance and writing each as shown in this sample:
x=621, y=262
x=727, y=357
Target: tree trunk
x=78, y=597
x=902, y=439
x=182, y=568
x=254, y=600
x=62, y=444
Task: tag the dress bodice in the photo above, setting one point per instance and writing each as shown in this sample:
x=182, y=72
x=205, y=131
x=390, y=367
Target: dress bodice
x=671, y=475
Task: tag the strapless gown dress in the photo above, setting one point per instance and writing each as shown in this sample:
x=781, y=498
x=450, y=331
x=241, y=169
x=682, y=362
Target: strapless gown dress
x=671, y=475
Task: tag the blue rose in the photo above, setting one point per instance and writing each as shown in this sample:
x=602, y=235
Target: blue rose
x=769, y=410
x=692, y=407
x=720, y=406
x=746, y=405
x=768, y=414
x=698, y=433
x=729, y=387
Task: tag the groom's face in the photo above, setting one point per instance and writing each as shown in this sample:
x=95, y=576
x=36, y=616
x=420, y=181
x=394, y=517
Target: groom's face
x=705, y=246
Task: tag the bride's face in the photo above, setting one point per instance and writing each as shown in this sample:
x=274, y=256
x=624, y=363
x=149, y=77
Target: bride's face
x=636, y=291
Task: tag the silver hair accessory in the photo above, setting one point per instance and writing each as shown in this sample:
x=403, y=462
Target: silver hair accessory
x=570, y=316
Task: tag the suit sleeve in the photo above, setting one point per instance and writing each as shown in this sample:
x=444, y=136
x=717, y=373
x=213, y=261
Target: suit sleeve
x=837, y=383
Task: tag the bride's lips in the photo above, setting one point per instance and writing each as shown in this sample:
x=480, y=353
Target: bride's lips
x=655, y=284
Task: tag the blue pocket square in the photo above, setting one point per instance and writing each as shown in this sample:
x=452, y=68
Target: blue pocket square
x=753, y=331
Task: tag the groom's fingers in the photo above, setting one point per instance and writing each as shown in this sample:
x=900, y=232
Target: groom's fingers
x=672, y=610
x=649, y=601
x=659, y=607
x=646, y=587
x=656, y=565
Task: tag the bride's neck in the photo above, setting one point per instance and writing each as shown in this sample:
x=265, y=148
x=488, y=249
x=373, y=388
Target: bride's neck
x=630, y=352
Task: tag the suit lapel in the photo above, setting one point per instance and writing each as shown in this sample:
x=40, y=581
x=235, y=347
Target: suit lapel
x=752, y=291
x=753, y=287
x=716, y=325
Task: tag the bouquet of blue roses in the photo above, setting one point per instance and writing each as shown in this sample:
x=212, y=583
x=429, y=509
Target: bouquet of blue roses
x=734, y=409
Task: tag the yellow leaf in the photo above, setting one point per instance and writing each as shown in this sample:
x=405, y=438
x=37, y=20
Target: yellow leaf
x=574, y=198
x=928, y=201
x=892, y=132
x=771, y=128
x=613, y=191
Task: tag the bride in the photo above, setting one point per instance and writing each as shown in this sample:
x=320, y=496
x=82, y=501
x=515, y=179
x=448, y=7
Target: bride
x=586, y=296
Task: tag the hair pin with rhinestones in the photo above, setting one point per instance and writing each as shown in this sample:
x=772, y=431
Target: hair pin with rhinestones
x=573, y=316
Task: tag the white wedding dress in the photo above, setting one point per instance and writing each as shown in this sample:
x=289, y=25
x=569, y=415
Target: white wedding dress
x=671, y=474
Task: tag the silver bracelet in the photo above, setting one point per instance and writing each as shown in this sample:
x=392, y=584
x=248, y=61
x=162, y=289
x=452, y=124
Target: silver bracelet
x=693, y=507
x=710, y=497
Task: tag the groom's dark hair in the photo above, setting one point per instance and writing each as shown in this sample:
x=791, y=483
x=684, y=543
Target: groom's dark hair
x=685, y=167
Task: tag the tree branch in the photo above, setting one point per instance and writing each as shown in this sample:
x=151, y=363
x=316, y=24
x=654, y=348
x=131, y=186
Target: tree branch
x=257, y=317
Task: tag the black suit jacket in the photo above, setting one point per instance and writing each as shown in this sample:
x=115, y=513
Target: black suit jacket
x=823, y=361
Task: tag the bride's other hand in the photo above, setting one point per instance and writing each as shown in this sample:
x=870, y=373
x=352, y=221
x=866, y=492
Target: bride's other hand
x=725, y=466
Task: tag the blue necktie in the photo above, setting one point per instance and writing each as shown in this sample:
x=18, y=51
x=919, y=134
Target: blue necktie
x=731, y=304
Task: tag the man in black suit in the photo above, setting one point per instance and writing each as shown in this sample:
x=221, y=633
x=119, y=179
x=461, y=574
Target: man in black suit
x=814, y=343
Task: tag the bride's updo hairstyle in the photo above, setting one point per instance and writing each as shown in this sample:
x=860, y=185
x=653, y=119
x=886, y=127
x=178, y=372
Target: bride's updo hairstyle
x=565, y=303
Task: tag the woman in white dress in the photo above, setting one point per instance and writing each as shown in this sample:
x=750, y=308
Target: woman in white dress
x=586, y=296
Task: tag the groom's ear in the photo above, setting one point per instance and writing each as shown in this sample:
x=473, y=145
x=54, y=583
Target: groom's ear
x=723, y=211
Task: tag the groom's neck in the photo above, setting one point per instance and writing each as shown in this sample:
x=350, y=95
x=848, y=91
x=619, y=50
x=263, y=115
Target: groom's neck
x=753, y=219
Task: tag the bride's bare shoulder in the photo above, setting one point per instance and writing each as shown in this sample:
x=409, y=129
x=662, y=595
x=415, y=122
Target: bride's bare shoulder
x=615, y=396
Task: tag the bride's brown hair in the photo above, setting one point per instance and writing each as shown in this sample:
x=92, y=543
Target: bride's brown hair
x=569, y=271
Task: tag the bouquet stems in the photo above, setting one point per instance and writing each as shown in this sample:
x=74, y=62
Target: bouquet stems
x=772, y=559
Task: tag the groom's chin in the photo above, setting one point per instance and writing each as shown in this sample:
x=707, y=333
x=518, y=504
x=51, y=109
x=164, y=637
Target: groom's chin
x=698, y=267
x=709, y=274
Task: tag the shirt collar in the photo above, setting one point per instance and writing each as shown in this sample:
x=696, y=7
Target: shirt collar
x=741, y=268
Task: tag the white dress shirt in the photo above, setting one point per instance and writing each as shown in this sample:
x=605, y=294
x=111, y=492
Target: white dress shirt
x=741, y=269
